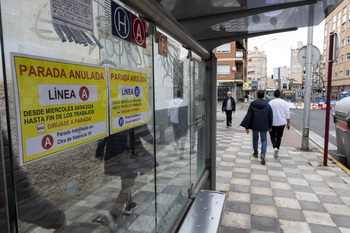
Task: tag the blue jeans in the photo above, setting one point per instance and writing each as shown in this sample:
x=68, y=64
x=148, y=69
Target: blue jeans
x=263, y=136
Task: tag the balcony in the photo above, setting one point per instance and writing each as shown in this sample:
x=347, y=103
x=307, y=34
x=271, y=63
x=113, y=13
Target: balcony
x=239, y=76
x=240, y=55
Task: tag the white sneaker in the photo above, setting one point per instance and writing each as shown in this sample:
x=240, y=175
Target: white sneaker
x=276, y=153
x=110, y=221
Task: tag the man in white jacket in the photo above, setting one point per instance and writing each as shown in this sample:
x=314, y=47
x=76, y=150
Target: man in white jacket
x=281, y=117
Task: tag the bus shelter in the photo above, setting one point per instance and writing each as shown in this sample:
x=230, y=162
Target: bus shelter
x=111, y=105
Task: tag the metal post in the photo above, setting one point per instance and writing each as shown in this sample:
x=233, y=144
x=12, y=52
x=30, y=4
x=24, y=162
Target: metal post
x=307, y=90
x=279, y=78
x=211, y=113
x=329, y=90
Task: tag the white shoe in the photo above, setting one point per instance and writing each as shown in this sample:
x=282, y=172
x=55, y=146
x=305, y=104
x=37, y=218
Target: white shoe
x=110, y=221
x=276, y=153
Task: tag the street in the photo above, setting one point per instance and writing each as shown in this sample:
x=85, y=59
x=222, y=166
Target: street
x=317, y=126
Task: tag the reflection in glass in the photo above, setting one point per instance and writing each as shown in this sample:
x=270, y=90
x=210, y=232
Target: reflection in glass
x=31, y=206
x=126, y=165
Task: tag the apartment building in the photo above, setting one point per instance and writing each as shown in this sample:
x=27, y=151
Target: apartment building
x=296, y=69
x=339, y=22
x=231, y=68
x=281, y=74
x=257, y=69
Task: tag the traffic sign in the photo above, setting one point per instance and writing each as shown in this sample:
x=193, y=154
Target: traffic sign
x=314, y=106
x=314, y=58
x=336, y=45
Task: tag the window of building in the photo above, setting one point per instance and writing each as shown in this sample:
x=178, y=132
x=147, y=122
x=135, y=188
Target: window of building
x=239, y=54
x=342, y=43
x=325, y=29
x=343, y=27
x=347, y=73
x=349, y=18
x=345, y=11
x=342, y=59
x=348, y=57
x=341, y=74
x=348, y=39
x=335, y=75
x=223, y=69
x=225, y=48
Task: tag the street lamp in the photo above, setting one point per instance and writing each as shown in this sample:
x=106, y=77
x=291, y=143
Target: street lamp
x=261, y=57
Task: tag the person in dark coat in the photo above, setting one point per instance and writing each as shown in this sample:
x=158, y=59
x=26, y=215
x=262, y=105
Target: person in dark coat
x=114, y=150
x=229, y=107
x=259, y=120
x=31, y=206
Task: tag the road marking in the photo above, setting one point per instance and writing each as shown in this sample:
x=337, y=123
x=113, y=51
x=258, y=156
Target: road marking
x=332, y=133
x=320, y=141
x=336, y=162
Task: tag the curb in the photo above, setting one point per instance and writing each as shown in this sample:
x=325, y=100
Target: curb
x=341, y=166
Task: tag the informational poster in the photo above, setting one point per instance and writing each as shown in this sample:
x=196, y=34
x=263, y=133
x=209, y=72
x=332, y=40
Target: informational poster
x=73, y=12
x=128, y=103
x=59, y=105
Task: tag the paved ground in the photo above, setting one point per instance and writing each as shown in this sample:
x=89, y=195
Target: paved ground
x=293, y=193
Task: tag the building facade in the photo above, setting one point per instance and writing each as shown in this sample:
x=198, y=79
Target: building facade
x=281, y=77
x=296, y=69
x=338, y=22
x=231, y=68
x=257, y=69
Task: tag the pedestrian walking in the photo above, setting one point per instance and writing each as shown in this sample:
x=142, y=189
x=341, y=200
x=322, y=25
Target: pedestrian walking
x=178, y=115
x=259, y=120
x=229, y=107
x=281, y=117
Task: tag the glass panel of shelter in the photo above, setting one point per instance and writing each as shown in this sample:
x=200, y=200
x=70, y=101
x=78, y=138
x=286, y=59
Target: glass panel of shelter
x=172, y=123
x=107, y=175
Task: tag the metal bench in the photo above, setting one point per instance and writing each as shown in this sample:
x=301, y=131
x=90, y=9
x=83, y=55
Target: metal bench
x=205, y=213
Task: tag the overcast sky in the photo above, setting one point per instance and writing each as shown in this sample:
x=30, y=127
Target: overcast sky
x=278, y=51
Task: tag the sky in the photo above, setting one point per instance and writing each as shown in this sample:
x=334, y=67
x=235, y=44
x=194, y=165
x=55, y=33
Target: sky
x=278, y=51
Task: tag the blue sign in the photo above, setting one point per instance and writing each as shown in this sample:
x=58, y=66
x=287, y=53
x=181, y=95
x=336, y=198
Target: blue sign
x=121, y=22
x=137, y=91
x=121, y=121
x=255, y=83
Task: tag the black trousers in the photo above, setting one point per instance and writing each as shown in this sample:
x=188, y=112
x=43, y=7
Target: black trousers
x=276, y=136
x=228, y=117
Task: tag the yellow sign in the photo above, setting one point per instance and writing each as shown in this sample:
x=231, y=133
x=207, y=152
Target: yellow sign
x=129, y=105
x=299, y=104
x=59, y=105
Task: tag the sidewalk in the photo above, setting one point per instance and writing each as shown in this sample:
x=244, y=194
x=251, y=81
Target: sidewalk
x=293, y=193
